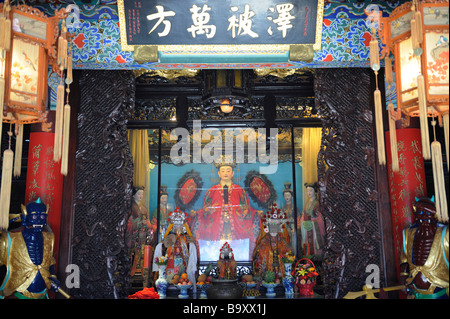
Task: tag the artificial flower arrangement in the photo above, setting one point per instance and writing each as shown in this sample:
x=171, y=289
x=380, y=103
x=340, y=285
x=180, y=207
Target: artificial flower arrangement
x=289, y=258
x=304, y=273
x=162, y=260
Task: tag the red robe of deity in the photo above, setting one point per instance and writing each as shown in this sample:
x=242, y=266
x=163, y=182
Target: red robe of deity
x=226, y=217
x=269, y=250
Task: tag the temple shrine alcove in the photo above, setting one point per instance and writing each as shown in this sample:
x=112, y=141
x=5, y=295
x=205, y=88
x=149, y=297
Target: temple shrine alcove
x=352, y=189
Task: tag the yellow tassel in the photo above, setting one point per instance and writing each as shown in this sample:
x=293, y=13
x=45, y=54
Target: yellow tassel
x=423, y=117
x=393, y=140
x=374, y=55
x=58, y=122
x=379, y=128
x=388, y=70
x=62, y=53
x=419, y=30
x=2, y=32
x=439, y=182
x=5, y=30
x=445, y=120
x=7, y=35
x=5, y=194
x=66, y=139
x=414, y=36
x=18, y=152
x=2, y=97
x=69, y=76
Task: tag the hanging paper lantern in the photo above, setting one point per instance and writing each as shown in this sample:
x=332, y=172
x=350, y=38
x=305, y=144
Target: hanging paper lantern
x=418, y=39
x=28, y=45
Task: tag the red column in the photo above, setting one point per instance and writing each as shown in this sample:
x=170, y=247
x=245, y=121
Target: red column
x=406, y=184
x=44, y=178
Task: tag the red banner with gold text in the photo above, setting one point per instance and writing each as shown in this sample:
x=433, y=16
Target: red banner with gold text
x=406, y=184
x=44, y=179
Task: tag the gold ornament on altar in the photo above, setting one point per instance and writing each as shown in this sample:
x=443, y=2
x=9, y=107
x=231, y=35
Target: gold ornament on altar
x=30, y=42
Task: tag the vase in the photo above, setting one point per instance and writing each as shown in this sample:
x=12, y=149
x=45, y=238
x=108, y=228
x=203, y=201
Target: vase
x=288, y=281
x=183, y=291
x=161, y=282
x=270, y=293
x=203, y=289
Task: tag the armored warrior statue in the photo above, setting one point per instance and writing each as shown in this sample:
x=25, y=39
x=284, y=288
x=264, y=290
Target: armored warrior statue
x=27, y=253
x=424, y=260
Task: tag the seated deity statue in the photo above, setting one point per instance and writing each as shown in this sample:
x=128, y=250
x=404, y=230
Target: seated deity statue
x=180, y=247
x=272, y=243
x=226, y=214
x=226, y=265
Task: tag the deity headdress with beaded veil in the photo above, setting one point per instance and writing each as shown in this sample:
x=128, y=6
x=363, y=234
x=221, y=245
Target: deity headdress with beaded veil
x=178, y=220
x=274, y=220
x=226, y=251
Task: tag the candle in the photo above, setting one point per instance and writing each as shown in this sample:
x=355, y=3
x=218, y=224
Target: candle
x=147, y=256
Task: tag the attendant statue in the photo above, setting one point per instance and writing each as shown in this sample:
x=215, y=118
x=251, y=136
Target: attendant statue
x=288, y=208
x=272, y=243
x=311, y=225
x=226, y=264
x=424, y=258
x=164, y=210
x=180, y=247
x=27, y=253
x=140, y=232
